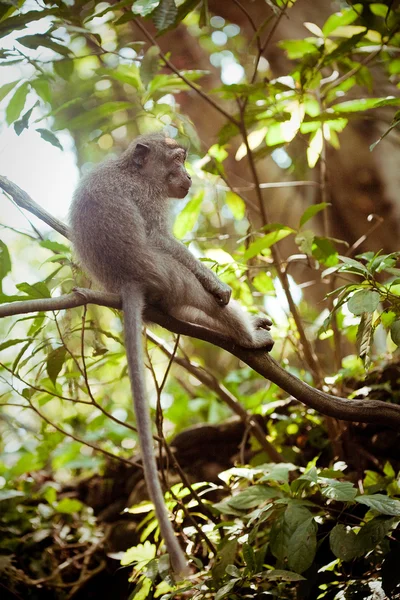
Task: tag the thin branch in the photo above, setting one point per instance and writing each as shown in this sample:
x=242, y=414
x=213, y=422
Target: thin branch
x=223, y=394
x=307, y=348
x=171, y=66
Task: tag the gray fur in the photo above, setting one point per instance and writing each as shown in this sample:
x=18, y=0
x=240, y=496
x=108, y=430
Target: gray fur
x=120, y=230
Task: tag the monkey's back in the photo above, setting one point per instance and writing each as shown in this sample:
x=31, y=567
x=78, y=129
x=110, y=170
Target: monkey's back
x=107, y=229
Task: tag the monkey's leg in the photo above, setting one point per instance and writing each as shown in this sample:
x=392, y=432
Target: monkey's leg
x=230, y=320
x=186, y=299
x=179, y=253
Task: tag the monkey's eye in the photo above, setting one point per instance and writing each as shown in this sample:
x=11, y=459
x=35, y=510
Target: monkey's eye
x=180, y=156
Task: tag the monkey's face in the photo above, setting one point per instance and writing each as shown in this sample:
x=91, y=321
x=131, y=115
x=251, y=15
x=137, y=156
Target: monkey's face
x=178, y=179
x=161, y=160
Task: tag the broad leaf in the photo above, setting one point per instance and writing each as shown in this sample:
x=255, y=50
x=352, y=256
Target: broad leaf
x=144, y=7
x=252, y=496
x=268, y=240
x=380, y=503
x=17, y=103
x=48, y=136
x=344, y=17
x=55, y=362
x=364, y=301
x=343, y=542
x=311, y=211
x=236, y=205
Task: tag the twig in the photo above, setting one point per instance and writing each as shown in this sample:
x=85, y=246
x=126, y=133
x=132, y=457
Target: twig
x=25, y=201
x=171, y=66
x=223, y=394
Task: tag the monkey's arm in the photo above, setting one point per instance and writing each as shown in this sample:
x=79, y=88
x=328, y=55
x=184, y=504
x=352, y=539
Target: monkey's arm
x=208, y=279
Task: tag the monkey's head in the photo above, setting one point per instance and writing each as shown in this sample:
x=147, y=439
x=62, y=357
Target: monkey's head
x=161, y=160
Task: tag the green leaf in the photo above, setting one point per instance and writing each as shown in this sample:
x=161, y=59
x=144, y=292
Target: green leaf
x=187, y=218
x=17, y=103
x=68, y=506
x=297, y=48
x=387, y=319
x=281, y=574
x=249, y=556
x=268, y=240
x=343, y=542
x=346, y=545
x=344, y=17
x=263, y=283
x=364, y=301
x=55, y=362
x=373, y=532
x=305, y=239
x=42, y=88
x=150, y=65
x=10, y=343
x=36, y=290
x=48, y=136
x=5, y=262
x=127, y=73
x=302, y=546
x=23, y=122
x=144, y=7
x=54, y=246
x=380, y=503
x=226, y=556
x=293, y=537
x=141, y=553
x=341, y=491
x=311, y=211
x=347, y=46
x=41, y=39
x=324, y=251
x=353, y=266
x=395, y=332
x=6, y=88
x=63, y=68
x=236, y=205
x=18, y=22
x=252, y=496
x=165, y=14
x=225, y=589
x=362, y=104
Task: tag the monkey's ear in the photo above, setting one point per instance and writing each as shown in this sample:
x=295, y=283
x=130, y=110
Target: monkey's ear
x=140, y=154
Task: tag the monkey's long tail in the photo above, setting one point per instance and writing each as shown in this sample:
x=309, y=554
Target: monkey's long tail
x=133, y=305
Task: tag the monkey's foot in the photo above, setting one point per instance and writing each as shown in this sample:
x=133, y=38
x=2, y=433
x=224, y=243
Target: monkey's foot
x=262, y=322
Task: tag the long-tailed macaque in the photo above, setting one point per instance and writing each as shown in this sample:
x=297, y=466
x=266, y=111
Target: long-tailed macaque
x=120, y=231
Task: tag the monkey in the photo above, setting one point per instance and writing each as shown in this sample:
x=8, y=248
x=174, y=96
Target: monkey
x=120, y=230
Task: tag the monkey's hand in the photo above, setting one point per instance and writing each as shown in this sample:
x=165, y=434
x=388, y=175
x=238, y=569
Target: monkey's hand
x=222, y=293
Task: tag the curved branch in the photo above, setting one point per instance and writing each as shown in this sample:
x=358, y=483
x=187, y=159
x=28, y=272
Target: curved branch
x=367, y=411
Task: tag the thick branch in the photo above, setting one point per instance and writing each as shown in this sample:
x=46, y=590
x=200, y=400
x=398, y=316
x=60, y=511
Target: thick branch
x=368, y=411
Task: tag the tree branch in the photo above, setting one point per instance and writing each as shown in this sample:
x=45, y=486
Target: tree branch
x=367, y=411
